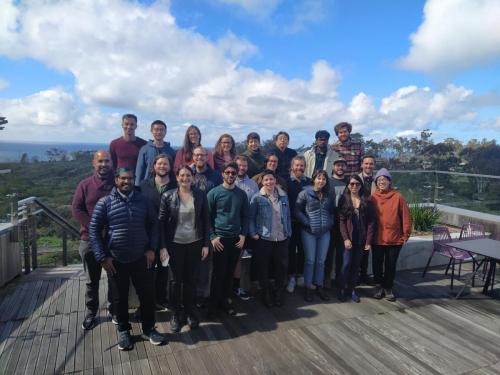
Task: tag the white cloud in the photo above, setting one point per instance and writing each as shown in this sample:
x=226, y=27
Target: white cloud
x=3, y=84
x=258, y=8
x=493, y=124
x=455, y=35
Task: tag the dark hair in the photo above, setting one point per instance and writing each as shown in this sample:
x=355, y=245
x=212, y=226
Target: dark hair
x=170, y=163
x=158, y=122
x=341, y=125
x=322, y=134
x=218, y=145
x=368, y=156
x=269, y=154
x=253, y=135
x=229, y=164
x=345, y=202
x=241, y=157
x=326, y=189
x=282, y=133
x=267, y=172
x=129, y=115
x=184, y=166
x=124, y=169
x=187, y=147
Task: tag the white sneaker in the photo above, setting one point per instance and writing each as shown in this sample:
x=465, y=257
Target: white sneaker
x=300, y=281
x=291, y=285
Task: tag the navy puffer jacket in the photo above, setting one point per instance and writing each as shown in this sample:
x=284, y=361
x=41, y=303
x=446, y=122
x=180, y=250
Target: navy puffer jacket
x=316, y=215
x=129, y=225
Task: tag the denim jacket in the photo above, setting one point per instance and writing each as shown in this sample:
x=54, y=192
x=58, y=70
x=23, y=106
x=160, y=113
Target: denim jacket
x=261, y=214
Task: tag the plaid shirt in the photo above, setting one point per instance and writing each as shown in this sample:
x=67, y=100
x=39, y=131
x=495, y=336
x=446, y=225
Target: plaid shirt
x=352, y=151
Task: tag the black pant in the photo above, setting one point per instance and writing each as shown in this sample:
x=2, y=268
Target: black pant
x=363, y=267
x=184, y=262
x=350, y=267
x=93, y=271
x=269, y=253
x=384, y=262
x=295, y=252
x=143, y=281
x=335, y=251
x=224, y=263
x=161, y=281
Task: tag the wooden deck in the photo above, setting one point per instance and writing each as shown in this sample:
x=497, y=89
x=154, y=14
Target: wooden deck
x=425, y=332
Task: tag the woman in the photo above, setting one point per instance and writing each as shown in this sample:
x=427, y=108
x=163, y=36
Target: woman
x=184, y=155
x=184, y=241
x=315, y=210
x=225, y=151
x=270, y=226
x=356, y=228
x=393, y=230
x=271, y=164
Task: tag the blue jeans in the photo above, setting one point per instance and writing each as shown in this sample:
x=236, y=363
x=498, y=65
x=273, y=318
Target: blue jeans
x=315, y=251
x=350, y=267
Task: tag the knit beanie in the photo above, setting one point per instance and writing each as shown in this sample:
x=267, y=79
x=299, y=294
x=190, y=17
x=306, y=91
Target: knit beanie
x=383, y=172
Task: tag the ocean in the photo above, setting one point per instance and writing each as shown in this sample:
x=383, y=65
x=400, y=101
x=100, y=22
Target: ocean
x=13, y=151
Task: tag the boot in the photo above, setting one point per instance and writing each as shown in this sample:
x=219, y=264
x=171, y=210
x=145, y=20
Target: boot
x=308, y=294
x=278, y=297
x=266, y=298
x=322, y=293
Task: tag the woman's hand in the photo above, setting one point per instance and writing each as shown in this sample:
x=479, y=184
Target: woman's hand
x=368, y=247
x=255, y=237
x=164, y=255
x=204, y=252
x=348, y=244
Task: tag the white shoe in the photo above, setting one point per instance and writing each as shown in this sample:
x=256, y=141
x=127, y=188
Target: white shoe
x=300, y=281
x=291, y=285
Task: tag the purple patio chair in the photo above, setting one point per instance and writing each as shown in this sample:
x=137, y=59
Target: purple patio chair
x=472, y=231
x=440, y=236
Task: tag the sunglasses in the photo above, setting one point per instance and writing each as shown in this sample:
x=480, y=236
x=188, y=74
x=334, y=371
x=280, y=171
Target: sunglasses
x=230, y=173
x=354, y=184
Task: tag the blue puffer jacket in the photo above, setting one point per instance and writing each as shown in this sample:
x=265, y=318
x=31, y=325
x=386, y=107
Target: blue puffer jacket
x=316, y=215
x=261, y=215
x=129, y=225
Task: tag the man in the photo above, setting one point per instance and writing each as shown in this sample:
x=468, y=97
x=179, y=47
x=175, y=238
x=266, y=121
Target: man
x=367, y=167
x=256, y=159
x=320, y=156
x=228, y=214
x=284, y=153
x=124, y=150
x=126, y=252
x=205, y=178
x=338, y=182
x=296, y=181
x=88, y=192
x=163, y=179
x=367, y=175
x=272, y=163
x=250, y=187
x=348, y=148
x=150, y=150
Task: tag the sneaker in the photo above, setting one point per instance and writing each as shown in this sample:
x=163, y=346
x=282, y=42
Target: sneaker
x=125, y=340
x=229, y=308
x=247, y=254
x=113, y=318
x=379, y=292
x=322, y=293
x=355, y=298
x=155, y=337
x=193, y=321
x=175, y=323
x=300, y=281
x=242, y=294
x=308, y=294
x=89, y=322
x=291, y=284
x=389, y=295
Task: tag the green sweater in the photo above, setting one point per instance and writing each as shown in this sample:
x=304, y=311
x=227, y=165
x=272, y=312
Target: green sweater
x=228, y=210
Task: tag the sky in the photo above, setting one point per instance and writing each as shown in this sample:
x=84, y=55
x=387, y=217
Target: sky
x=69, y=69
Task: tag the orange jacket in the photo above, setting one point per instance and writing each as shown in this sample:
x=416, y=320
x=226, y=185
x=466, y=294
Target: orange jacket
x=393, y=218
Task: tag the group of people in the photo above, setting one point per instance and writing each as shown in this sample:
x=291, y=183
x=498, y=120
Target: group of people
x=147, y=209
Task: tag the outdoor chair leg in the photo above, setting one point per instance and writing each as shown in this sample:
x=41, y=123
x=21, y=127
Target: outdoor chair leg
x=459, y=270
x=448, y=267
x=427, y=265
x=452, y=272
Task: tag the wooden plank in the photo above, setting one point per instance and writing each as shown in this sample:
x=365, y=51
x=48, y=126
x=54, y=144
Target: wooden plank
x=9, y=346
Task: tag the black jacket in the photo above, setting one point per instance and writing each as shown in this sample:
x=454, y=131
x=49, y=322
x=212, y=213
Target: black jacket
x=169, y=214
x=149, y=190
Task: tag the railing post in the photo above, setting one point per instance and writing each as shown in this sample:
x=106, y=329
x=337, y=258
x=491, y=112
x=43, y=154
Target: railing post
x=26, y=248
x=436, y=188
x=65, y=247
x=13, y=208
x=33, y=240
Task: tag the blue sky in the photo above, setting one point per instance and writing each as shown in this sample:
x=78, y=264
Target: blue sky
x=68, y=70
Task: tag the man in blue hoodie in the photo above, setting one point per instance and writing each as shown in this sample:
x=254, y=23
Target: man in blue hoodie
x=152, y=149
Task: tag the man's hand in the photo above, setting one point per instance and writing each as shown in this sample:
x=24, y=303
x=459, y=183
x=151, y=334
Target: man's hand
x=348, y=244
x=368, y=247
x=241, y=242
x=164, y=254
x=204, y=252
x=218, y=246
x=255, y=237
x=108, y=266
x=150, y=258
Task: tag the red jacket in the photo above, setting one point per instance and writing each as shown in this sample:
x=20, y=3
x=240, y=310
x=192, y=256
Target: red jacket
x=393, y=218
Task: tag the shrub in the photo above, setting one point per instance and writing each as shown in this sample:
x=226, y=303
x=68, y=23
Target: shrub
x=423, y=217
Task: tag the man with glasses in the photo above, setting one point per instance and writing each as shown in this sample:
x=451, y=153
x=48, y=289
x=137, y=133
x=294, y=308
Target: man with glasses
x=228, y=215
x=205, y=178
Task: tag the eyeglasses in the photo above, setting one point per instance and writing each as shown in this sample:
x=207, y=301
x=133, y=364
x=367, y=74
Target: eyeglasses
x=199, y=155
x=354, y=184
x=230, y=173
